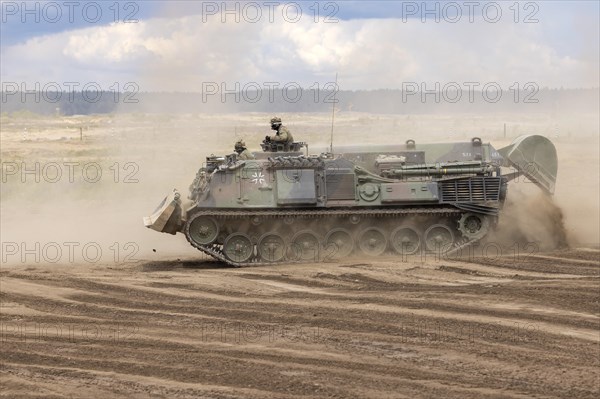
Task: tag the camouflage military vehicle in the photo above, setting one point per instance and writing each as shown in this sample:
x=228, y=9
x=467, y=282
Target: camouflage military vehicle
x=287, y=206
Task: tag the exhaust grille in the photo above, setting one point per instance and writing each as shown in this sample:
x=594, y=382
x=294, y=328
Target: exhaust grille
x=473, y=189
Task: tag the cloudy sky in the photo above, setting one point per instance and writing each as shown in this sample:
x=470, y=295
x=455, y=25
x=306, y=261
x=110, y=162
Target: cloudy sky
x=180, y=46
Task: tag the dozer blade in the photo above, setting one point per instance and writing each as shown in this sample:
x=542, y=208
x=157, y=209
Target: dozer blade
x=167, y=217
x=535, y=157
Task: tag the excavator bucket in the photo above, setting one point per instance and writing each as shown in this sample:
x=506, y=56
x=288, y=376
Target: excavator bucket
x=535, y=157
x=167, y=218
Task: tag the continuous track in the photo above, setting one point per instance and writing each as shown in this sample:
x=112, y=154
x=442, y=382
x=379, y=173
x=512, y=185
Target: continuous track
x=215, y=250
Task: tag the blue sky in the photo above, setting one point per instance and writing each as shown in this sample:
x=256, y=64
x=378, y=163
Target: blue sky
x=564, y=36
x=13, y=30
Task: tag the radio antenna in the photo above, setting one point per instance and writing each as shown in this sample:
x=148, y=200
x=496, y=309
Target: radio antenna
x=333, y=113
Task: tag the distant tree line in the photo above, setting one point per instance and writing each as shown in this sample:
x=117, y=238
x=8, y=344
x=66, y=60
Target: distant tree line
x=277, y=101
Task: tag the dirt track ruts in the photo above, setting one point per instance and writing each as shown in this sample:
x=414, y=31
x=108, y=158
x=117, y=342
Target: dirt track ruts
x=386, y=329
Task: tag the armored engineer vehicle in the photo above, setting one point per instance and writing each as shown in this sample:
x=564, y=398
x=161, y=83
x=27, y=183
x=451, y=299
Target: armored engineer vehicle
x=286, y=206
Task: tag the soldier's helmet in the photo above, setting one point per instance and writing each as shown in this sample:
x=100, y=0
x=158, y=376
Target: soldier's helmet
x=240, y=145
x=276, y=121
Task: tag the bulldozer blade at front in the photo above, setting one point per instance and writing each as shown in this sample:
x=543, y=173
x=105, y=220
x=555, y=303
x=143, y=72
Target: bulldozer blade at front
x=535, y=157
x=167, y=218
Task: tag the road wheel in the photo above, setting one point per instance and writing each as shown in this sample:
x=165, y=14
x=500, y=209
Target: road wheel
x=238, y=247
x=405, y=240
x=372, y=241
x=305, y=246
x=203, y=230
x=271, y=247
x=438, y=237
x=339, y=243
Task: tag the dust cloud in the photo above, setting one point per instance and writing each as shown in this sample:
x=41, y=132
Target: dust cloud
x=532, y=218
x=142, y=157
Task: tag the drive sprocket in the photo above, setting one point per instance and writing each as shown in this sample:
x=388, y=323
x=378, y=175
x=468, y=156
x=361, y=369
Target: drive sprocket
x=474, y=226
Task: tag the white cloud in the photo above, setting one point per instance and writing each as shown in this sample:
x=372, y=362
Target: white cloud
x=181, y=53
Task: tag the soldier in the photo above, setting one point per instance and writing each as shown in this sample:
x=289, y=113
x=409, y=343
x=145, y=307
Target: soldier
x=283, y=135
x=242, y=151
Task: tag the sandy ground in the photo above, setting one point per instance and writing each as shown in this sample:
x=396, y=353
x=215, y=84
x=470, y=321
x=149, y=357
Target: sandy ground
x=506, y=326
x=152, y=317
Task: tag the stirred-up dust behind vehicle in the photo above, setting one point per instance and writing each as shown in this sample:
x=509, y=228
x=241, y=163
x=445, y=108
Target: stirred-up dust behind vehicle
x=285, y=206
